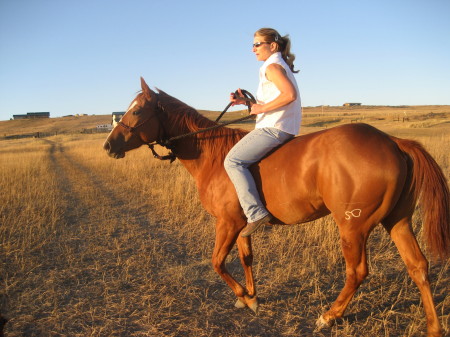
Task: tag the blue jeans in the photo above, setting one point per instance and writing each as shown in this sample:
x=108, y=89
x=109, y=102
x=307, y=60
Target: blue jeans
x=247, y=151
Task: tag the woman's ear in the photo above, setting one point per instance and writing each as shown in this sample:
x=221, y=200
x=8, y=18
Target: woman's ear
x=274, y=47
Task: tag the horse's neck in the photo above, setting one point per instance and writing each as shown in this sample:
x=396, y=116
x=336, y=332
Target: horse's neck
x=187, y=149
x=204, y=151
x=192, y=156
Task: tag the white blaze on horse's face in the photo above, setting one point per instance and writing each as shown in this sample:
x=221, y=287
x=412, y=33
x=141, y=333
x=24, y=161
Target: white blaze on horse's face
x=132, y=105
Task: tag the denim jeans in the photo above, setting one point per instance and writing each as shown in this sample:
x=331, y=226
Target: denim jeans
x=247, y=151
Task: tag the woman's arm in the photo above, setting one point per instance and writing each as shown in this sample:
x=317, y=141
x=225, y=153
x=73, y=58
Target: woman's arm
x=277, y=75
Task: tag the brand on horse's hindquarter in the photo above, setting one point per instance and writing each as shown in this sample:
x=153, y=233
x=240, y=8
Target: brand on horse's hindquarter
x=356, y=213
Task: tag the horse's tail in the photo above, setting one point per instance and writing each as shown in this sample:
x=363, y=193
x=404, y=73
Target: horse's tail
x=429, y=186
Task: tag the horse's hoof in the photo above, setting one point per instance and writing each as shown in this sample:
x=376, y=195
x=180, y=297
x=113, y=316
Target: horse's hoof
x=322, y=323
x=239, y=304
x=254, y=305
x=246, y=301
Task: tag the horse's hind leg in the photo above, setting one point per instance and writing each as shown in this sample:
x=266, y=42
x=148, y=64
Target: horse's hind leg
x=354, y=249
x=417, y=266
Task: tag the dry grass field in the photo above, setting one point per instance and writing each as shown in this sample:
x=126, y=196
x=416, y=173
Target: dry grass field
x=92, y=246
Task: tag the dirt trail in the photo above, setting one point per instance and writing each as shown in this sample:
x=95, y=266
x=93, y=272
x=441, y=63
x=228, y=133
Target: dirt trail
x=80, y=286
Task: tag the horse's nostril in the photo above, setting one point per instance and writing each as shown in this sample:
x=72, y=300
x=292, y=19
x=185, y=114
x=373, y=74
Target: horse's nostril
x=107, y=146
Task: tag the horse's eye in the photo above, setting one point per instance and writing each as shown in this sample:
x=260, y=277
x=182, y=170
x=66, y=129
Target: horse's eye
x=137, y=112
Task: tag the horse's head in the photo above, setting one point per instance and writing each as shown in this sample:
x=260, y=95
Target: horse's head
x=140, y=124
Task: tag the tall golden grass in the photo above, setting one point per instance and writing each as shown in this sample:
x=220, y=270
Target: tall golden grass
x=92, y=246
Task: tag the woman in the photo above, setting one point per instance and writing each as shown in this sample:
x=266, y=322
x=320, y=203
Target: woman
x=278, y=117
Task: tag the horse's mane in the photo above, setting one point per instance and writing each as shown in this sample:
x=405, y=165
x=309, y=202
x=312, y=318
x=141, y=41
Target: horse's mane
x=216, y=142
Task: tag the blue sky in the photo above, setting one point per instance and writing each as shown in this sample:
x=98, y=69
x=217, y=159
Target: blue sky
x=86, y=56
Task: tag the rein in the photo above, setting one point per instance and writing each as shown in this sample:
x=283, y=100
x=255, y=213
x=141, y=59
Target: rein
x=249, y=100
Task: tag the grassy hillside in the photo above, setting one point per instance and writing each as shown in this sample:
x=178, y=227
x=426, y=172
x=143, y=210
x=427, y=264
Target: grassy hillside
x=313, y=118
x=59, y=124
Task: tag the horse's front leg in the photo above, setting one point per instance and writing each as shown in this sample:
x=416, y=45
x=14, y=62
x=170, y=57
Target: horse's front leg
x=246, y=256
x=226, y=234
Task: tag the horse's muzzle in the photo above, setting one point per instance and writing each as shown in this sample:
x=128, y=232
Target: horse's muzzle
x=114, y=154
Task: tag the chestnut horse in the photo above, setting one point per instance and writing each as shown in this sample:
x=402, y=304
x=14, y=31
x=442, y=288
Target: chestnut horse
x=357, y=173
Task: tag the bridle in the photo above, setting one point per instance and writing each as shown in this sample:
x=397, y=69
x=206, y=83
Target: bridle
x=167, y=142
x=131, y=129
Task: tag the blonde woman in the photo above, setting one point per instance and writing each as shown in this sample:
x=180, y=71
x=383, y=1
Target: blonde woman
x=278, y=117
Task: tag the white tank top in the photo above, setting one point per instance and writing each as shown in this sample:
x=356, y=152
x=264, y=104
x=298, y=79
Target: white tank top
x=288, y=117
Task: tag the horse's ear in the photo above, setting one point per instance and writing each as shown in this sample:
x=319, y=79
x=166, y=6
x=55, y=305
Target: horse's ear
x=148, y=93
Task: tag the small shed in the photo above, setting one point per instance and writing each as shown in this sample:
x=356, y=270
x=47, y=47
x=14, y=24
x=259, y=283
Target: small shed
x=116, y=116
x=105, y=127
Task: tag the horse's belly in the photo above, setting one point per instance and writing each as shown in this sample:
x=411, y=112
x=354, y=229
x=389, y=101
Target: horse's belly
x=292, y=210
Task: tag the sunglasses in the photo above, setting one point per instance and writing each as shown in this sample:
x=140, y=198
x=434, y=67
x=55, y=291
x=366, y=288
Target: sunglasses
x=257, y=44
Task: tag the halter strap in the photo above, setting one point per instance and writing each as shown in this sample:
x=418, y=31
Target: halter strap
x=132, y=128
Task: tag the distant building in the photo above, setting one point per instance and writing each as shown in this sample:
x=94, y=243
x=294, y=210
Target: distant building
x=31, y=115
x=116, y=116
x=107, y=127
x=352, y=104
x=20, y=116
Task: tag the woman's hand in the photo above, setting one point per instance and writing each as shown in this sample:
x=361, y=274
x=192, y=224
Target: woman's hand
x=257, y=109
x=236, y=99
